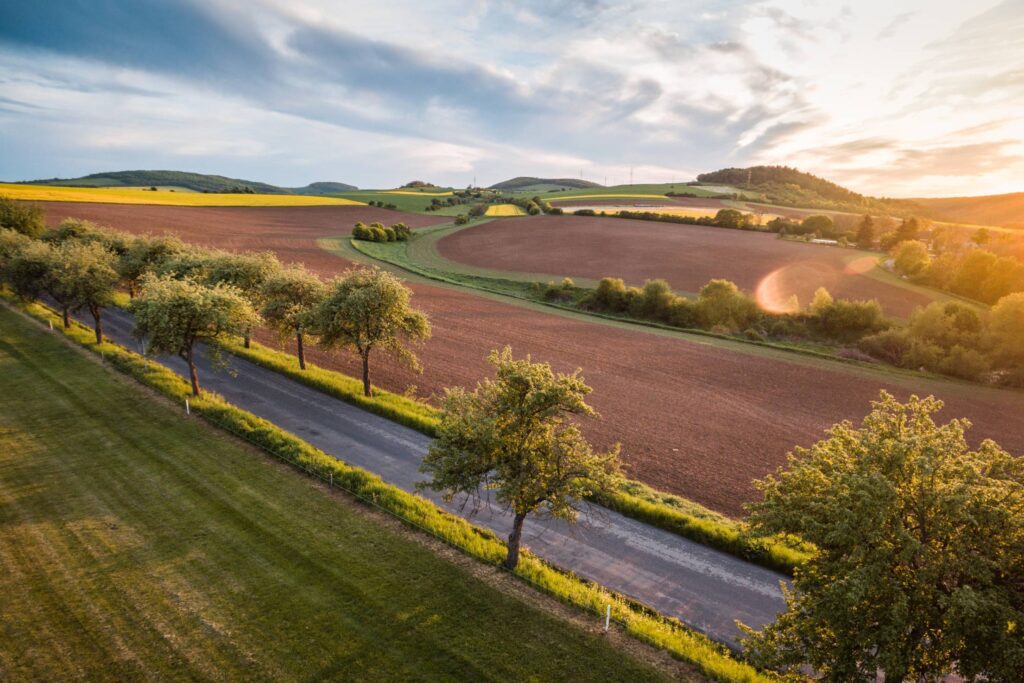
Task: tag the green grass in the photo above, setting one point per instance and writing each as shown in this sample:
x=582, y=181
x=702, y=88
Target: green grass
x=137, y=543
x=639, y=189
x=709, y=658
x=416, y=203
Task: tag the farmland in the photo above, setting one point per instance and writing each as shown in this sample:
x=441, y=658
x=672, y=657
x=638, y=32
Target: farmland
x=121, y=195
x=696, y=416
x=641, y=190
x=685, y=255
x=154, y=547
x=499, y=210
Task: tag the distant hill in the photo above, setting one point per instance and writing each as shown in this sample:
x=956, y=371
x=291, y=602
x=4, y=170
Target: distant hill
x=323, y=187
x=791, y=187
x=1006, y=210
x=197, y=182
x=526, y=182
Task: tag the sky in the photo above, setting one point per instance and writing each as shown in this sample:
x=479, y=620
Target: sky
x=889, y=97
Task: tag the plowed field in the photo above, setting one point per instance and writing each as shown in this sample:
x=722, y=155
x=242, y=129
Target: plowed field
x=685, y=255
x=695, y=418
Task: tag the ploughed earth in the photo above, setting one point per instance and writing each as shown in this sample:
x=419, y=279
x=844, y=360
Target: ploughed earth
x=693, y=418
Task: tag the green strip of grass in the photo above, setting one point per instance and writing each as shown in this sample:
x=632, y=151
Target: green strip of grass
x=681, y=642
x=136, y=543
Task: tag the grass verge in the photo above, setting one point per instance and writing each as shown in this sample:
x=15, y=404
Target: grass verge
x=711, y=659
x=138, y=544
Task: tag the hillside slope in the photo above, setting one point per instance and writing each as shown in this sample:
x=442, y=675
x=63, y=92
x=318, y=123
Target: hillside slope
x=197, y=182
x=523, y=182
x=1006, y=210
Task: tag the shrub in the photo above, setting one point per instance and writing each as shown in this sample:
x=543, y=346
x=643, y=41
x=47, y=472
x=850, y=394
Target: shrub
x=461, y=219
x=24, y=218
x=911, y=258
x=721, y=304
x=682, y=313
x=610, y=295
x=889, y=345
x=585, y=212
x=389, y=234
x=818, y=225
x=845, y=320
x=965, y=363
x=655, y=299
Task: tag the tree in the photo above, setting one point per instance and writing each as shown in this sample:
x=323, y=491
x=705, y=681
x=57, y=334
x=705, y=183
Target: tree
x=11, y=242
x=981, y=237
x=1006, y=326
x=973, y=272
x=27, y=219
x=366, y=309
x=731, y=218
x=90, y=275
x=514, y=435
x=143, y=254
x=39, y=268
x=289, y=297
x=822, y=301
x=820, y=225
x=919, y=568
x=866, y=233
x=175, y=315
x=246, y=272
x=720, y=303
x=911, y=258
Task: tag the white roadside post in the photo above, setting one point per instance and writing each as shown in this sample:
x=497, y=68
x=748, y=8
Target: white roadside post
x=188, y=411
x=51, y=325
x=607, y=617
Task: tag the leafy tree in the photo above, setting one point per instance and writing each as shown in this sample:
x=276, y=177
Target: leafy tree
x=973, y=272
x=247, y=273
x=11, y=242
x=194, y=264
x=981, y=237
x=40, y=268
x=143, y=254
x=514, y=436
x=366, y=309
x=822, y=301
x=175, y=315
x=289, y=298
x=720, y=303
x=731, y=218
x=27, y=219
x=1006, y=325
x=90, y=275
x=866, y=233
x=71, y=229
x=821, y=225
x=911, y=258
x=918, y=570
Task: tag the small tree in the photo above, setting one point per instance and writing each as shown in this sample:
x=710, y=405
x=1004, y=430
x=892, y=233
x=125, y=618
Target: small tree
x=513, y=435
x=175, y=315
x=366, y=309
x=289, y=297
x=39, y=268
x=143, y=254
x=11, y=242
x=27, y=219
x=919, y=569
x=1006, y=323
x=246, y=272
x=866, y=233
x=911, y=258
x=90, y=275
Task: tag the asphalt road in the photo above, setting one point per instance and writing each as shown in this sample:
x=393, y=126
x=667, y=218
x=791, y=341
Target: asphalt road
x=703, y=587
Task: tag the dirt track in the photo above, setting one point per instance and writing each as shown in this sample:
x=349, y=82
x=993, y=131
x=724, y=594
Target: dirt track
x=685, y=255
x=695, y=419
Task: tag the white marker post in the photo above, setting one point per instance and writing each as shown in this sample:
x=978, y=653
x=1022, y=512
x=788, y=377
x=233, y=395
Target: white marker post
x=332, y=479
x=188, y=410
x=607, y=618
x=51, y=325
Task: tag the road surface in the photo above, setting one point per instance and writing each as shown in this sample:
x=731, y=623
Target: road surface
x=705, y=588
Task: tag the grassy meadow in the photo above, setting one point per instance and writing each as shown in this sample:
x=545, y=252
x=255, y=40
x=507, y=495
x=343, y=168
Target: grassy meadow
x=122, y=195
x=137, y=543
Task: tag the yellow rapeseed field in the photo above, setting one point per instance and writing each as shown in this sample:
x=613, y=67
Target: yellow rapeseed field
x=119, y=195
x=415, y=192
x=504, y=210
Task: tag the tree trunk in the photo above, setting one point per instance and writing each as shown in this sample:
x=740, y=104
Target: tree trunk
x=512, y=560
x=192, y=372
x=99, y=324
x=67, y=319
x=367, y=390
x=301, y=351
x=247, y=337
x=131, y=290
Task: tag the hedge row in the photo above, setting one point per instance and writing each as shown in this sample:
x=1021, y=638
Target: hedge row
x=635, y=500
x=711, y=659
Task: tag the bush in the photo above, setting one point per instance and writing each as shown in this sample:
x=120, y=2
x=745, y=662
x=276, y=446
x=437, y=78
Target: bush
x=911, y=258
x=845, y=320
x=27, y=219
x=655, y=300
x=584, y=212
x=964, y=363
x=610, y=295
x=461, y=219
x=389, y=234
x=818, y=225
x=721, y=304
x=889, y=345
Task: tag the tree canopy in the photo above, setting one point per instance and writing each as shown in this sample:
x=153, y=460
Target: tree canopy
x=366, y=309
x=289, y=297
x=919, y=569
x=174, y=315
x=514, y=436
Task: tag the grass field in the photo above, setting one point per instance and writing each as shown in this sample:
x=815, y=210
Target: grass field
x=640, y=191
x=405, y=200
x=120, y=195
x=136, y=543
x=498, y=210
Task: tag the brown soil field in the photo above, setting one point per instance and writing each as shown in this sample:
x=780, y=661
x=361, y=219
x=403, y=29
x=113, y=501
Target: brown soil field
x=693, y=418
x=685, y=255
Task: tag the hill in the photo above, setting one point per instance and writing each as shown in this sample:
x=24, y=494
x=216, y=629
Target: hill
x=1006, y=210
x=530, y=183
x=323, y=187
x=197, y=182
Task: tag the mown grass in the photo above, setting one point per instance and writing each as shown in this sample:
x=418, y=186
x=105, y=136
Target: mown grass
x=137, y=543
x=711, y=659
x=408, y=200
x=120, y=195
